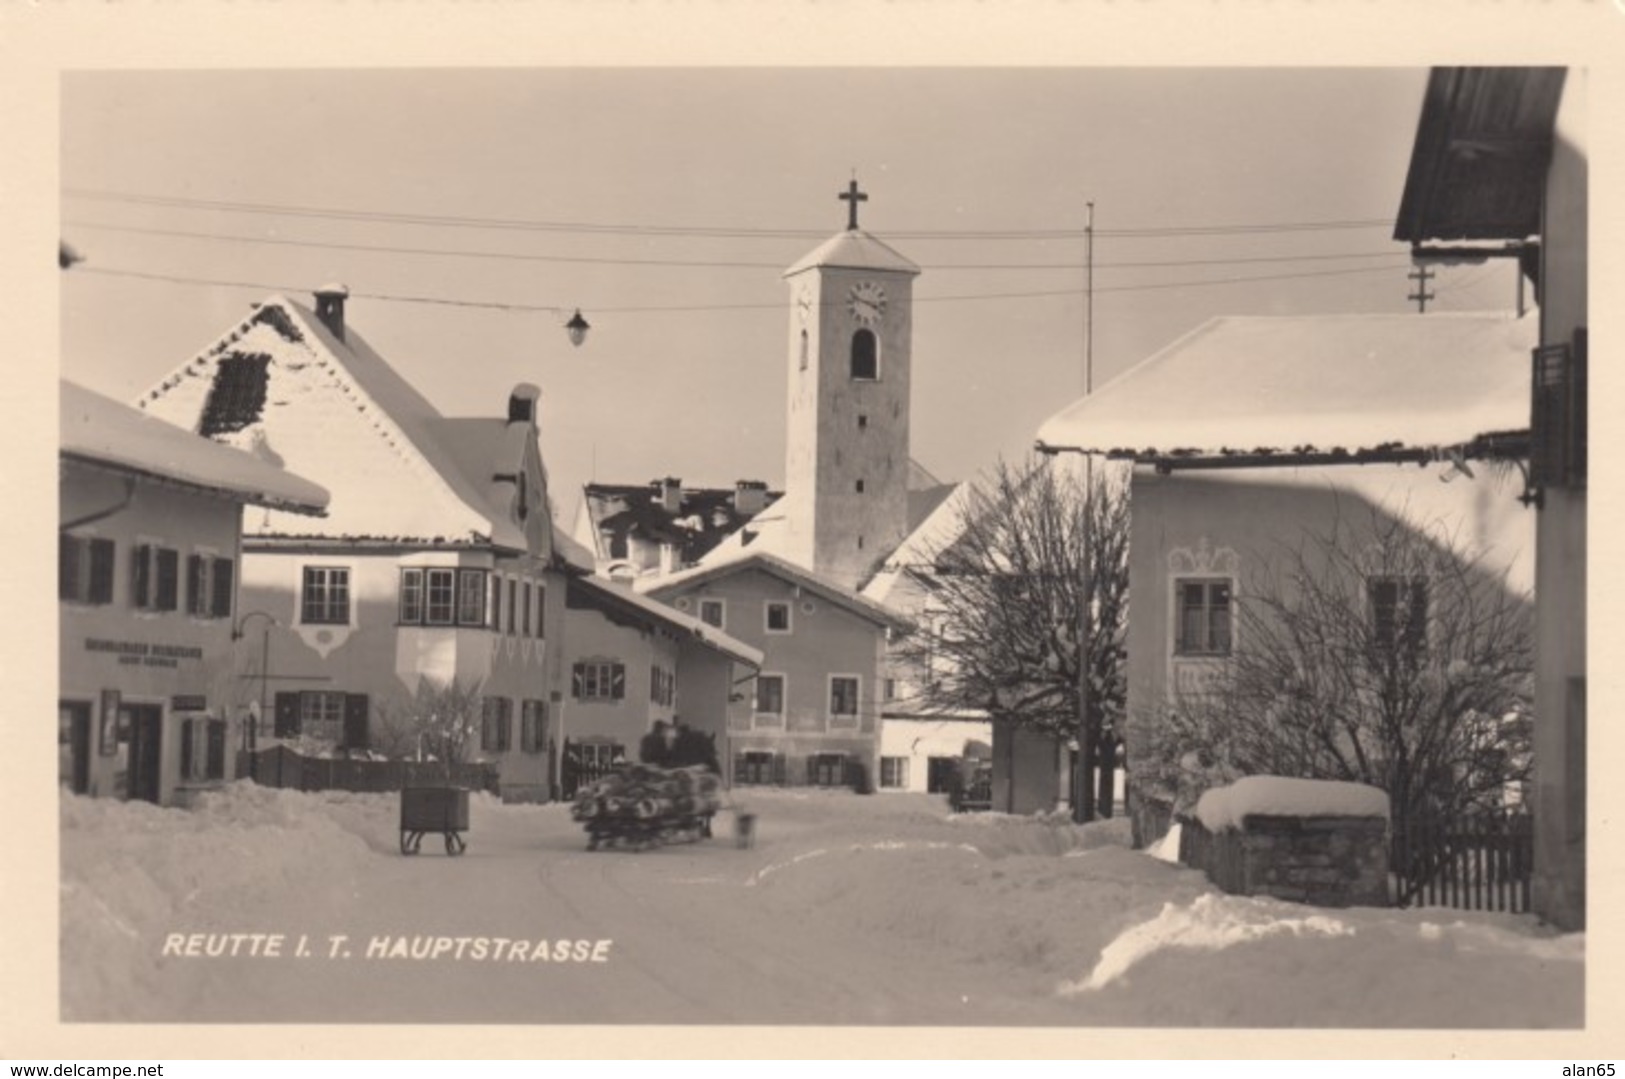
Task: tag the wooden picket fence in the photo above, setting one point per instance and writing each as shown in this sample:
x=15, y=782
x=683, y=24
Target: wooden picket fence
x=279, y=766
x=1479, y=862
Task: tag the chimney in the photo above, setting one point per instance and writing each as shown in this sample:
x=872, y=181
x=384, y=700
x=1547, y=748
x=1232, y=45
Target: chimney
x=523, y=402
x=670, y=559
x=669, y=493
x=330, y=308
x=750, y=497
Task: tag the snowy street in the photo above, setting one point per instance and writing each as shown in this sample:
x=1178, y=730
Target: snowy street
x=848, y=910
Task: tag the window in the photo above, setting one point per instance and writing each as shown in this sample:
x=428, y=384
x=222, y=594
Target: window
x=843, y=700
x=326, y=597
x=778, y=617
x=513, y=604
x=1203, y=627
x=863, y=422
x=496, y=604
x=156, y=578
x=756, y=766
x=532, y=726
x=496, y=722
x=203, y=749
x=859, y=487
x=471, y=597
x=208, y=586
x=803, y=350
x=441, y=596
x=662, y=686
x=524, y=621
x=826, y=770
x=1399, y=613
x=598, y=755
x=712, y=612
x=770, y=700
x=321, y=714
x=894, y=772
x=541, y=610
x=599, y=680
x=891, y=689
x=84, y=569
x=865, y=356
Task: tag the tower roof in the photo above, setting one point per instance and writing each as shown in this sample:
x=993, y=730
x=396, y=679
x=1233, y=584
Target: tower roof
x=854, y=249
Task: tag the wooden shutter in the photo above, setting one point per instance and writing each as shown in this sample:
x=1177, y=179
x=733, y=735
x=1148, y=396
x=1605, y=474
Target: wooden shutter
x=188, y=758
x=740, y=768
x=67, y=565
x=101, y=571
x=779, y=769
x=578, y=677
x=356, y=733
x=541, y=611
x=216, y=749
x=496, y=604
x=287, y=715
x=169, y=579
x=221, y=583
x=617, y=682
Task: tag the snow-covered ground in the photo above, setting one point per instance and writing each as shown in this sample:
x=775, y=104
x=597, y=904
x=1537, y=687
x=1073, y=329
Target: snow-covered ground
x=847, y=910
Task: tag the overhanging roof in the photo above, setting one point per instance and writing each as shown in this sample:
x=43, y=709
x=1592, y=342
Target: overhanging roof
x=617, y=601
x=1483, y=142
x=1253, y=391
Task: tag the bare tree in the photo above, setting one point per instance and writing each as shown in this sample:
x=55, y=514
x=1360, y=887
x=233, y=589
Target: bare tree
x=1385, y=656
x=1039, y=554
x=441, y=721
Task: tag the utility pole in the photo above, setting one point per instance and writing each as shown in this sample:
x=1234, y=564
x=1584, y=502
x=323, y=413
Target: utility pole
x=1083, y=781
x=1421, y=275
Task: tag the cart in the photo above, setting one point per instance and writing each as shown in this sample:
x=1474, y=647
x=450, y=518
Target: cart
x=434, y=809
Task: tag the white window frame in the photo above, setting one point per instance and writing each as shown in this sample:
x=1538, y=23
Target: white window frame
x=900, y=769
x=349, y=598
x=789, y=617
x=771, y=720
x=1206, y=581
x=844, y=720
x=722, y=611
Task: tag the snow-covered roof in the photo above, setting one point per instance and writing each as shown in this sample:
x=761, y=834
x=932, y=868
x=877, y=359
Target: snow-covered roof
x=1279, y=796
x=772, y=564
x=1248, y=389
x=596, y=590
x=398, y=470
x=107, y=433
x=853, y=250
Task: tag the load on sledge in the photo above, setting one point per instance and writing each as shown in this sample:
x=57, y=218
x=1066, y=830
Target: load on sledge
x=641, y=806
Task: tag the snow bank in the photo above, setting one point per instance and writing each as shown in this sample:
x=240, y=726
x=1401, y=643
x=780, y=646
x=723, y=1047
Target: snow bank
x=1277, y=796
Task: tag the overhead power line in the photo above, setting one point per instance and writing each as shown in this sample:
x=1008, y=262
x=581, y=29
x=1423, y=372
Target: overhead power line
x=722, y=231
x=550, y=308
x=385, y=249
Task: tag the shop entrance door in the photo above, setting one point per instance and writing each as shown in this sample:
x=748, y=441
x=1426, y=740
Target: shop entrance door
x=146, y=726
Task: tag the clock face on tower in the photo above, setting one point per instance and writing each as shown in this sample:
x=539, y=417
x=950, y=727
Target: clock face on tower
x=867, y=302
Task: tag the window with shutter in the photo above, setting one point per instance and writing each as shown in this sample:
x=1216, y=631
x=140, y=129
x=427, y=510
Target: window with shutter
x=471, y=597
x=69, y=574
x=541, y=608
x=197, y=583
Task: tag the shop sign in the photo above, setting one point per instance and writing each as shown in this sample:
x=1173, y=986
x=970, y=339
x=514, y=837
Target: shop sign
x=143, y=653
x=189, y=702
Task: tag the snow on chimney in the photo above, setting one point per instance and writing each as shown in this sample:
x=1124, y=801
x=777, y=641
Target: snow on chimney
x=330, y=308
x=669, y=493
x=522, y=403
x=750, y=497
x=670, y=559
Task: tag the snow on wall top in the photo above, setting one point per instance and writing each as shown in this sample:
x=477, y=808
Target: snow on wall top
x=99, y=429
x=1312, y=384
x=336, y=410
x=853, y=250
x=1277, y=796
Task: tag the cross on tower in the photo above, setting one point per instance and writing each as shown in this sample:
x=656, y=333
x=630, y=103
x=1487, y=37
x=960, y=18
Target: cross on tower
x=852, y=196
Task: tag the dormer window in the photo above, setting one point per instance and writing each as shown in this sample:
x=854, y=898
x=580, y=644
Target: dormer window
x=865, y=356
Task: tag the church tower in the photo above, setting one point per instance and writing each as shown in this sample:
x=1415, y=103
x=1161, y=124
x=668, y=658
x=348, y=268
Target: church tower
x=847, y=463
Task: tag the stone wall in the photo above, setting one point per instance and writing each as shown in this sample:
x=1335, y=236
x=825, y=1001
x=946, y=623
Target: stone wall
x=1327, y=861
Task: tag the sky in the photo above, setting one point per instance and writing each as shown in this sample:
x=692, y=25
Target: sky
x=665, y=203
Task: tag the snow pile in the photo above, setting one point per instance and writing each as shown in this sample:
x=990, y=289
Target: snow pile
x=1276, y=796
